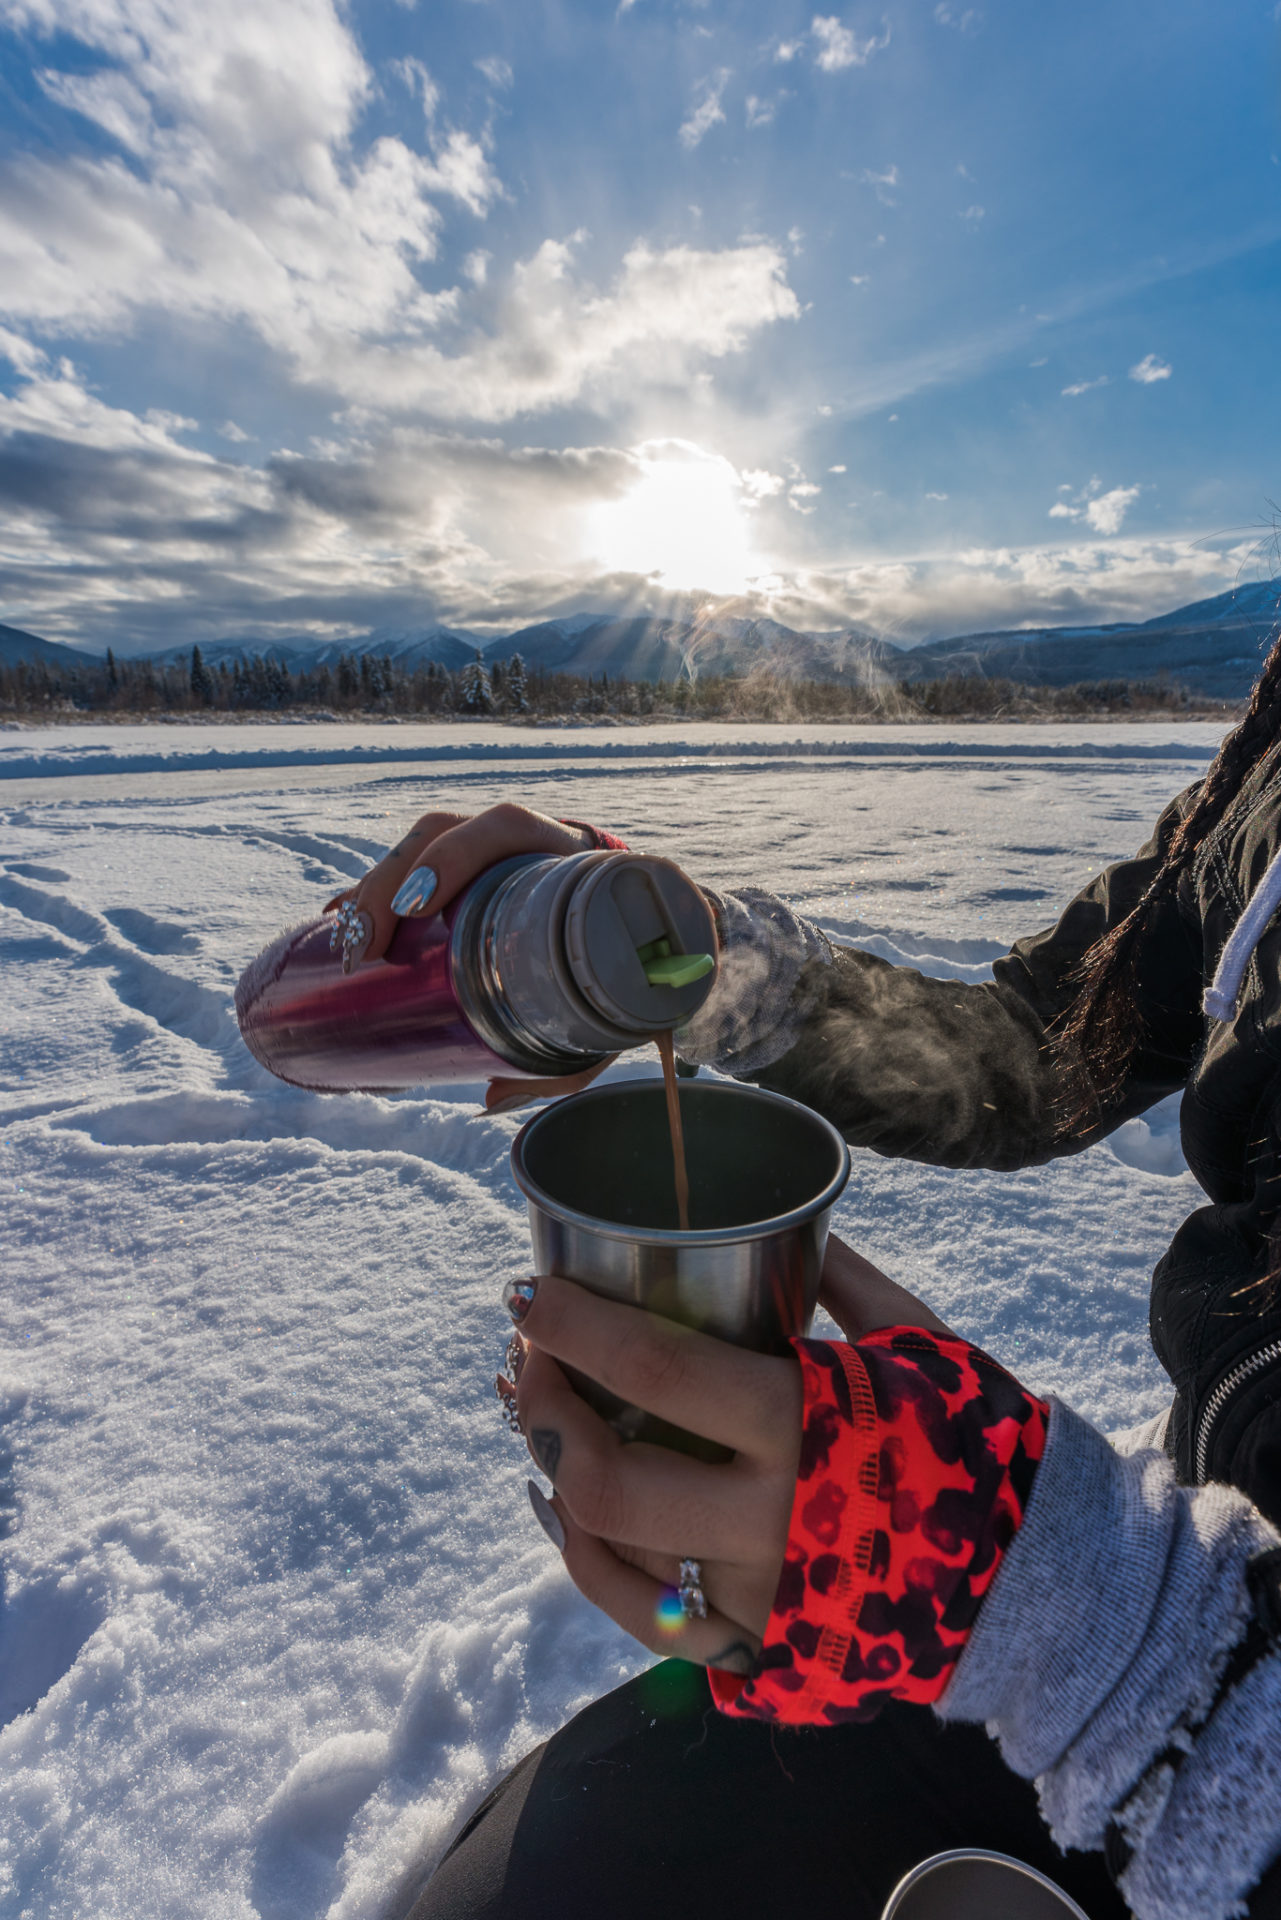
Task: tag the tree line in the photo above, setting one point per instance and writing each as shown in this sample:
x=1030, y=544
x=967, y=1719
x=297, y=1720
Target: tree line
x=376, y=686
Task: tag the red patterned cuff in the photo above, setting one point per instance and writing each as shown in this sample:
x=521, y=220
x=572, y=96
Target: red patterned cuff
x=917, y=1460
x=604, y=842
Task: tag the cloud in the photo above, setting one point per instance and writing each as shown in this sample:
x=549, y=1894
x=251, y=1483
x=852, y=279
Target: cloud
x=760, y=113
x=799, y=495
x=839, y=48
x=936, y=496
x=788, y=50
x=1104, y=512
x=759, y=484
x=558, y=340
x=963, y=19
x=859, y=279
x=885, y=182
x=1084, y=386
x=230, y=431
x=972, y=215
x=497, y=72
x=707, y=112
x=117, y=532
x=1150, y=369
x=836, y=469
x=242, y=198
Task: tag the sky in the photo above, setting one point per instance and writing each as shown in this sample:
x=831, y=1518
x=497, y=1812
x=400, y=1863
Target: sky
x=924, y=318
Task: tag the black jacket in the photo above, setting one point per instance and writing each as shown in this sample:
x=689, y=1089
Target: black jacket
x=963, y=1076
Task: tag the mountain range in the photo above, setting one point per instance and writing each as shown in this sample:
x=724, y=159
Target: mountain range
x=1214, y=647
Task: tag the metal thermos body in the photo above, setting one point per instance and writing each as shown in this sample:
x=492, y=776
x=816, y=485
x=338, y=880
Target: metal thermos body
x=535, y=971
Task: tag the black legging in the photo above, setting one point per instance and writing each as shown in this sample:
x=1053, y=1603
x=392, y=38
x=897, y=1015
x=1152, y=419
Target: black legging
x=651, y=1803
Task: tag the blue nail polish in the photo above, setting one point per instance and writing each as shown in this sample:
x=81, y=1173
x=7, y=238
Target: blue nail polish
x=546, y=1516
x=415, y=891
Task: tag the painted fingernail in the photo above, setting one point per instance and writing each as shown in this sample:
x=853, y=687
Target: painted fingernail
x=518, y=1298
x=514, y=1359
x=331, y=904
x=546, y=1516
x=415, y=891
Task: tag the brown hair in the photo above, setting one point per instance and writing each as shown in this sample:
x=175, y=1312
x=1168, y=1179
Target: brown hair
x=1103, y=1027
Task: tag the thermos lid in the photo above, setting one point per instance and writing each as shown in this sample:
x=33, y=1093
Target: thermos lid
x=640, y=942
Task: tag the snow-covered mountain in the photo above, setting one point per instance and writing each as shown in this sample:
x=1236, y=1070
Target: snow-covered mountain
x=410, y=648
x=15, y=645
x=717, y=642
x=1213, y=646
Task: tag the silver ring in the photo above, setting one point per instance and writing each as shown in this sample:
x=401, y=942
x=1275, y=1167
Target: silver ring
x=690, y=1591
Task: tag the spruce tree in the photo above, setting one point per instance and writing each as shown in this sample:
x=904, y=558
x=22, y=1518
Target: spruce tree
x=517, y=691
x=475, y=691
x=201, y=684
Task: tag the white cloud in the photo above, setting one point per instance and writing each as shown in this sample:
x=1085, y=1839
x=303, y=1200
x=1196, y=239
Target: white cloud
x=497, y=72
x=836, y=469
x=859, y=279
x=245, y=199
x=707, y=111
x=1150, y=369
x=1084, y=386
x=419, y=82
x=788, y=50
x=760, y=484
x=760, y=113
x=560, y=340
x=885, y=182
x=1104, y=512
x=964, y=19
x=799, y=495
x=936, y=496
x=839, y=48
x=972, y=215
x=476, y=267
x=114, y=528
x=230, y=431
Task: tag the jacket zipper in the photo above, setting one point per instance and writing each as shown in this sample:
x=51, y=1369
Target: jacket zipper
x=1219, y=1398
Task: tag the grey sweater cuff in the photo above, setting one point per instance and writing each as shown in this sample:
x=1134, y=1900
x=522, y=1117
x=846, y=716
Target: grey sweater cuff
x=760, y=1002
x=1099, y=1648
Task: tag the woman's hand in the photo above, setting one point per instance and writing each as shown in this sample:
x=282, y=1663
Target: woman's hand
x=629, y=1514
x=439, y=856
x=860, y=1298
x=425, y=870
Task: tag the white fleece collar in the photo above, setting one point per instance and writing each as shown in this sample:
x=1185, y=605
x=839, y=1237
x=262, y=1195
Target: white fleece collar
x=1221, y=995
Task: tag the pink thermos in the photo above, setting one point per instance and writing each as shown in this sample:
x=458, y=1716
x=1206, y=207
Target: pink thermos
x=540, y=967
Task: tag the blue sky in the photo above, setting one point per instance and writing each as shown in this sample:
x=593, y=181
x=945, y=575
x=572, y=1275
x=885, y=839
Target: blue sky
x=926, y=318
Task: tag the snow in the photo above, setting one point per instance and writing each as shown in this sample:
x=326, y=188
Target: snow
x=275, y=1608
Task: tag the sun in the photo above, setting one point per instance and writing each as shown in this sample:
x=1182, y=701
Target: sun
x=684, y=522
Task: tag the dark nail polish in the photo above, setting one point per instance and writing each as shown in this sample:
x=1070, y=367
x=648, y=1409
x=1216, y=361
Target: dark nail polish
x=518, y=1298
x=546, y=1516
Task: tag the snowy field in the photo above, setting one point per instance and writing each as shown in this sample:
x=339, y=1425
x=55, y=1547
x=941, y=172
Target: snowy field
x=274, y=1605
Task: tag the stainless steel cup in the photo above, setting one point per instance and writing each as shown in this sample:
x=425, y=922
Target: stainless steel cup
x=764, y=1172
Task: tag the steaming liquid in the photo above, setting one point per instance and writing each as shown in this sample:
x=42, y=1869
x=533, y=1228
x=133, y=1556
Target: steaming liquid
x=667, y=1053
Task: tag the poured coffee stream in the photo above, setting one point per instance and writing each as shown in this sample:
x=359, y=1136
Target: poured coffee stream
x=667, y=1052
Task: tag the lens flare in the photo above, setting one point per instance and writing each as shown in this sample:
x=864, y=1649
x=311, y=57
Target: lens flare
x=669, y=1612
